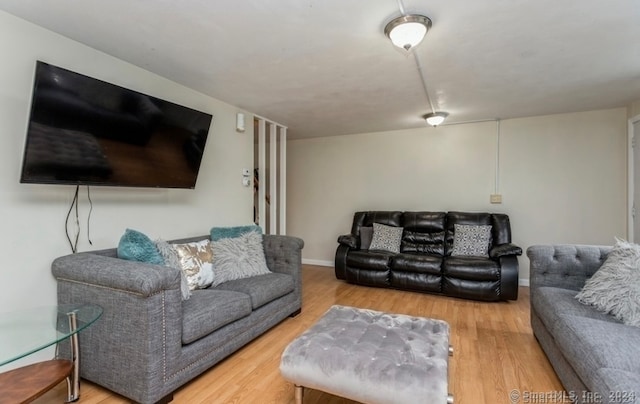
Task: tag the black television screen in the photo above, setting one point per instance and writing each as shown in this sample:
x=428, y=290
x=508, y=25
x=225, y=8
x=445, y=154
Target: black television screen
x=84, y=131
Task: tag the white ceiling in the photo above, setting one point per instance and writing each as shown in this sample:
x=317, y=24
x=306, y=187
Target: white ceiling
x=324, y=67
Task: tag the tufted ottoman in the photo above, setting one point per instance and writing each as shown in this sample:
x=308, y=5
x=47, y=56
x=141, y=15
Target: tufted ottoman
x=371, y=357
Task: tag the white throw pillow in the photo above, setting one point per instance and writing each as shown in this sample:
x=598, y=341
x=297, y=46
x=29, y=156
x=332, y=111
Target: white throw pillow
x=615, y=287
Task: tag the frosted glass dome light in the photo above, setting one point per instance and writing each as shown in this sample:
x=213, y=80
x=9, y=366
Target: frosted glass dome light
x=407, y=31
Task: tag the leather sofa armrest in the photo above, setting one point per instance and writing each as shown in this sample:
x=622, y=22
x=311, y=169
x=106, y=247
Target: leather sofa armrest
x=349, y=240
x=504, y=250
x=509, y=274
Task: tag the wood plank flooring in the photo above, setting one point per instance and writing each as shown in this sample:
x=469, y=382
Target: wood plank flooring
x=494, y=350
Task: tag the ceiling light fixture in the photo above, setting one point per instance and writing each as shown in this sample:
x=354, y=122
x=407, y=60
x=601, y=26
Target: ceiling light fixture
x=407, y=31
x=435, y=118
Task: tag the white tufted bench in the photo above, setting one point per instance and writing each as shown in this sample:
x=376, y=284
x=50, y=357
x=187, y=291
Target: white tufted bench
x=371, y=357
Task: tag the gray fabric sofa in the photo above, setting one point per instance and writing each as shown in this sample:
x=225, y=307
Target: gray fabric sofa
x=596, y=357
x=148, y=341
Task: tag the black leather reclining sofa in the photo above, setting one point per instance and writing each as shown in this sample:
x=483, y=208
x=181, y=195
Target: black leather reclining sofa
x=425, y=262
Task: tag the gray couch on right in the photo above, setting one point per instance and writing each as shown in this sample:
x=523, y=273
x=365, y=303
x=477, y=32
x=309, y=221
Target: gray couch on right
x=596, y=357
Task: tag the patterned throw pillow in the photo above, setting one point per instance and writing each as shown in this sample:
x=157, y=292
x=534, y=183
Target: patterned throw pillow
x=196, y=260
x=238, y=257
x=172, y=260
x=386, y=238
x=471, y=240
x=615, y=287
x=136, y=246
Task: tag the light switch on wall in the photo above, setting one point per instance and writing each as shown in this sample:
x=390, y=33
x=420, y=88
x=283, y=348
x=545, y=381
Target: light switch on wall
x=246, y=177
x=495, y=198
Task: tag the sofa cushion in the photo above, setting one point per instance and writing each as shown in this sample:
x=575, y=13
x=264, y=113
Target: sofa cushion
x=420, y=263
x=471, y=268
x=262, y=288
x=422, y=282
x=423, y=232
x=386, y=238
x=617, y=386
x=424, y=222
x=425, y=243
x=210, y=309
x=390, y=218
x=590, y=344
x=550, y=303
x=471, y=289
x=366, y=234
x=377, y=260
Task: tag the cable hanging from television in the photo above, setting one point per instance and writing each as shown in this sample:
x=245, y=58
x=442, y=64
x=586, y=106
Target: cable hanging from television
x=75, y=203
x=89, y=216
x=73, y=244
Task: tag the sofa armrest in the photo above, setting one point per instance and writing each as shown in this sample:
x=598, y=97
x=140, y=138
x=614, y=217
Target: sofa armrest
x=504, y=250
x=140, y=330
x=566, y=266
x=115, y=273
x=283, y=254
x=340, y=266
x=349, y=240
x=509, y=274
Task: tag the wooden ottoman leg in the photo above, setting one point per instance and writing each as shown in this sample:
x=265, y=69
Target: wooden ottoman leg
x=299, y=391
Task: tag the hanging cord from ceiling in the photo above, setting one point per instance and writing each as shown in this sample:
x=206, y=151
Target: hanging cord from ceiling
x=89, y=216
x=423, y=80
x=75, y=203
x=73, y=244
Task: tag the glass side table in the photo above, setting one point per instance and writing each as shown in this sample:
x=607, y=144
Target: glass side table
x=24, y=332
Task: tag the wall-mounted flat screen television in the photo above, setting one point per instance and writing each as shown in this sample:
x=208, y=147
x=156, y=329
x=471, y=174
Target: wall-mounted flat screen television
x=84, y=131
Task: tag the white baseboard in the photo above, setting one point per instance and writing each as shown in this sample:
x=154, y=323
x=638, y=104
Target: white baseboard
x=521, y=282
x=317, y=262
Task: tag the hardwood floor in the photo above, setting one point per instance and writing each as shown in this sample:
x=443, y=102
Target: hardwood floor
x=494, y=350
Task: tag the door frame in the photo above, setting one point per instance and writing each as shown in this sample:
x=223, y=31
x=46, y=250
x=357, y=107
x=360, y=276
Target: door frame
x=630, y=174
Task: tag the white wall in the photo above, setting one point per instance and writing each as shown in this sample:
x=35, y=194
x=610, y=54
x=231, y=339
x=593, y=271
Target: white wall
x=562, y=177
x=633, y=109
x=33, y=216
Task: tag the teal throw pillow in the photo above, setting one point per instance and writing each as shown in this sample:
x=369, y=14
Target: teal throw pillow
x=219, y=233
x=136, y=246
